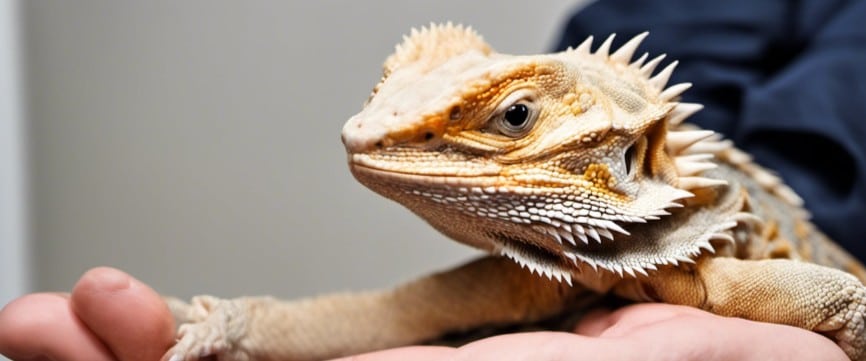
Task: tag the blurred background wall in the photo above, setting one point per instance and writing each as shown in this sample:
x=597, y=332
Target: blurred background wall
x=196, y=145
x=14, y=259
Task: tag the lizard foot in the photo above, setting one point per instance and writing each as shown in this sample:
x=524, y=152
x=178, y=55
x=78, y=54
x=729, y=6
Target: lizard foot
x=847, y=325
x=211, y=331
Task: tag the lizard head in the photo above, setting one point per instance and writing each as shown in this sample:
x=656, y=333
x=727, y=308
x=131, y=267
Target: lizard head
x=543, y=158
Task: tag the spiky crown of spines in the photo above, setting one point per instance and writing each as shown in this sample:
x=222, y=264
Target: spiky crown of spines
x=679, y=143
x=692, y=149
x=692, y=152
x=434, y=44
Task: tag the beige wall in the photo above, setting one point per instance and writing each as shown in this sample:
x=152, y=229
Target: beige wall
x=196, y=143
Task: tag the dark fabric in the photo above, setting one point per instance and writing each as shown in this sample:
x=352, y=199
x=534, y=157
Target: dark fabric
x=786, y=80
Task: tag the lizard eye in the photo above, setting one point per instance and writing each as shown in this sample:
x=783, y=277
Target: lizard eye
x=517, y=119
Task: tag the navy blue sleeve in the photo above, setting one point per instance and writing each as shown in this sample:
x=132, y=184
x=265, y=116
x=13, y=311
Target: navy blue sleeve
x=786, y=80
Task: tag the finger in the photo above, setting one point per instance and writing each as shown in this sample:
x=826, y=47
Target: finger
x=415, y=353
x=42, y=326
x=126, y=314
x=594, y=323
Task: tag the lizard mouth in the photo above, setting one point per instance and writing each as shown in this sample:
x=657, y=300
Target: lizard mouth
x=413, y=162
x=412, y=167
x=371, y=175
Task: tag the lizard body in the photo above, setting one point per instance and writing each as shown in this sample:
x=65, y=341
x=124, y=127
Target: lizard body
x=577, y=166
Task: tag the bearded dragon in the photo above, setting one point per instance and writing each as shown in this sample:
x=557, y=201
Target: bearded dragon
x=576, y=172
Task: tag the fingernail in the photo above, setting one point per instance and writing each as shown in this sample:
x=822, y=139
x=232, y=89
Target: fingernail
x=110, y=279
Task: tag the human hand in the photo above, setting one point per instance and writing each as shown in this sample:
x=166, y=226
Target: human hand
x=640, y=332
x=111, y=316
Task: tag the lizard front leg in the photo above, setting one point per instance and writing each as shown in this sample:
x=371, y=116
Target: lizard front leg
x=779, y=291
x=490, y=290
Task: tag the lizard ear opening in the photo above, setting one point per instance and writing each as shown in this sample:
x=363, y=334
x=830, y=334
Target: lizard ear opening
x=431, y=46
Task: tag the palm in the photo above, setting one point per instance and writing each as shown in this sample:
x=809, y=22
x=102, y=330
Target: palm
x=644, y=332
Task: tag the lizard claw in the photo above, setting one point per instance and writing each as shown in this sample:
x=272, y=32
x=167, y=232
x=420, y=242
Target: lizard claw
x=215, y=321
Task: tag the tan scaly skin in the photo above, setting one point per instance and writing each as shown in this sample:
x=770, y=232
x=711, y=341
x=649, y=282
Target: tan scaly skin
x=578, y=169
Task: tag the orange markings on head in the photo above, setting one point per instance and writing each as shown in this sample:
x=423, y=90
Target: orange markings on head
x=570, y=102
x=597, y=174
x=486, y=92
x=472, y=109
x=576, y=102
x=432, y=126
x=602, y=181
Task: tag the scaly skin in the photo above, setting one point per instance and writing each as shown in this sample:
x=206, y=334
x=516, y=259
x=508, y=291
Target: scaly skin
x=576, y=166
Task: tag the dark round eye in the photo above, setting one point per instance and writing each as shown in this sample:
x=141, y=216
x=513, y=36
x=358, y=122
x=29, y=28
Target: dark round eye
x=517, y=119
x=517, y=115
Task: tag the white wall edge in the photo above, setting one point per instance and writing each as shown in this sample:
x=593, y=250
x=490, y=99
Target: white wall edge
x=14, y=251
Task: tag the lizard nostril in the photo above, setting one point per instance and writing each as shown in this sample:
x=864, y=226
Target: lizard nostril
x=428, y=135
x=454, y=113
x=379, y=144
